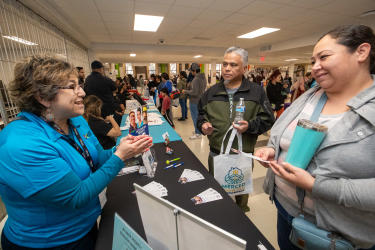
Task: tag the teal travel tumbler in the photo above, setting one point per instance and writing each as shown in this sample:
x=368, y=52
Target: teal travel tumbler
x=306, y=140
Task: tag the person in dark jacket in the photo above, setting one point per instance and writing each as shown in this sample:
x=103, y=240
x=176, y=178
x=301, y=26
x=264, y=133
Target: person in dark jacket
x=217, y=110
x=101, y=86
x=275, y=91
x=81, y=76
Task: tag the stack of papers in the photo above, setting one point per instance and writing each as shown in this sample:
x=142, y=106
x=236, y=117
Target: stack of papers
x=156, y=189
x=189, y=175
x=206, y=196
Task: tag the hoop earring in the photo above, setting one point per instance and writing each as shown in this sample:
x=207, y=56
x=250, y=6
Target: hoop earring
x=49, y=115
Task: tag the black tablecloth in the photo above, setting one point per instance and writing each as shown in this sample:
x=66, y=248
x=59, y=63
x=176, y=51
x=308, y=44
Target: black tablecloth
x=222, y=213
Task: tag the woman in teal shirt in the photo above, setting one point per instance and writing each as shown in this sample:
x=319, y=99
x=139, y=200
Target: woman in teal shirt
x=52, y=166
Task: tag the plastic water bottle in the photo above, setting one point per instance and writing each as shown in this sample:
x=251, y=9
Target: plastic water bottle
x=240, y=111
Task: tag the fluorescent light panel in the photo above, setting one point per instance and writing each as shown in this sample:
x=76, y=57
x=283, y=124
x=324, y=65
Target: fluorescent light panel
x=259, y=32
x=20, y=40
x=197, y=56
x=292, y=59
x=133, y=55
x=147, y=23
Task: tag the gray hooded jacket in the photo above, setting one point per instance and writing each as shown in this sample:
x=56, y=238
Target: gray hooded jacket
x=343, y=167
x=198, y=87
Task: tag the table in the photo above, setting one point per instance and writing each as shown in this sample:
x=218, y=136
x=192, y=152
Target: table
x=222, y=213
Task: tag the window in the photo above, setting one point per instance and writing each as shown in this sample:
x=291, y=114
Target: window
x=173, y=67
x=218, y=70
x=152, y=68
x=129, y=68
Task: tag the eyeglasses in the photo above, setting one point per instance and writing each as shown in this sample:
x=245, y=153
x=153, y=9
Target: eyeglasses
x=75, y=87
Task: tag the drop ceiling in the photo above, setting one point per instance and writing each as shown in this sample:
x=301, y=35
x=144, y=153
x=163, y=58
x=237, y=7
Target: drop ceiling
x=205, y=27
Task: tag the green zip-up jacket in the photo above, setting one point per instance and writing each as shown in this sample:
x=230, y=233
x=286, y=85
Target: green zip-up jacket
x=214, y=108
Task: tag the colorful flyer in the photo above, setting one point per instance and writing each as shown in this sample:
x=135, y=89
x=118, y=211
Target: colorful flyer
x=189, y=175
x=206, y=196
x=138, y=121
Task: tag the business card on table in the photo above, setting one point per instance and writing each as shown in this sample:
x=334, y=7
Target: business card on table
x=206, y=196
x=189, y=175
x=156, y=189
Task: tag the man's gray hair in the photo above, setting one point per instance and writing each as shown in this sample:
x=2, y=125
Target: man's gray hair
x=240, y=51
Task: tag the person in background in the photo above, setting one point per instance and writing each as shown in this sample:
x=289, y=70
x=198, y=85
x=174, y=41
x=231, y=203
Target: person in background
x=165, y=83
x=276, y=92
x=298, y=87
x=101, y=86
x=335, y=191
x=197, y=88
x=106, y=130
x=81, y=76
x=166, y=109
x=308, y=80
x=51, y=181
x=119, y=107
x=132, y=81
x=152, y=85
x=182, y=85
x=217, y=110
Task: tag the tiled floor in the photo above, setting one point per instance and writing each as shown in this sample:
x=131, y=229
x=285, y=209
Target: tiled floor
x=263, y=214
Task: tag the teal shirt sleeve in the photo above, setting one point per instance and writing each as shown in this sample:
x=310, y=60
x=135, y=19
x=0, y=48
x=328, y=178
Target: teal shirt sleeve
x=72, y=192
x=103, y=155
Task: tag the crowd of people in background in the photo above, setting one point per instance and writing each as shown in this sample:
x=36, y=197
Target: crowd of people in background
x=280, y=88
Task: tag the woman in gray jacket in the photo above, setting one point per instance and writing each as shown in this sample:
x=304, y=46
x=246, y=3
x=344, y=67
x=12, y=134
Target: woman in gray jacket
x=340, y=179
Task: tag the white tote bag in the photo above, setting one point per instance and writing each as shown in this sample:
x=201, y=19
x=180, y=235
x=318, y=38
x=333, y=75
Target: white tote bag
x=233, y=171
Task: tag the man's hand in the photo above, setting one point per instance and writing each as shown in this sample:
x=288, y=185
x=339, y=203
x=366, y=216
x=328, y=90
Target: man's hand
x=298, y=176
x=207, y=128
x=241, y=127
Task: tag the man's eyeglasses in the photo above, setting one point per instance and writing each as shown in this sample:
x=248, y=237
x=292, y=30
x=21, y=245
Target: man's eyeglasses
x=75, y=87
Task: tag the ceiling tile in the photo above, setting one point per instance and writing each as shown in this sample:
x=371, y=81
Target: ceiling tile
x=232, y=5
x=259, y=7
x=195, y=3
x=240, y=19
x=155, y=9
x=114, y=5
x=184, y=12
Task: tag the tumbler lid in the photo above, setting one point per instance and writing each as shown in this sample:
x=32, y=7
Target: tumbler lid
x=304, y=123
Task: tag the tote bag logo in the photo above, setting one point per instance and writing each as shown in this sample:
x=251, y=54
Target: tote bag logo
x=234, y=176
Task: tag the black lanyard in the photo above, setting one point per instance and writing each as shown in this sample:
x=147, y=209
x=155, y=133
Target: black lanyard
x=85, y=152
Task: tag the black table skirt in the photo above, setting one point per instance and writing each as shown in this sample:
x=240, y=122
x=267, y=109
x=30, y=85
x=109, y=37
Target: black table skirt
x=222, y=213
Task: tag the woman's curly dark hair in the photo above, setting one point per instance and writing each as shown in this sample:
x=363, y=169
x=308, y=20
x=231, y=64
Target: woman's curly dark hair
x=40, y=76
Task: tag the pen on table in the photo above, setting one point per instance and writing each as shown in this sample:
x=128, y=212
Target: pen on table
x=170, y=161
x=175, y=165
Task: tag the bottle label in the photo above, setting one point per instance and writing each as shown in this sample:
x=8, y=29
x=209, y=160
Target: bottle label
x=240, y=109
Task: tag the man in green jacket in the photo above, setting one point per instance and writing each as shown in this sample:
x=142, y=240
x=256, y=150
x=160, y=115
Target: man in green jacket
x=217, y=110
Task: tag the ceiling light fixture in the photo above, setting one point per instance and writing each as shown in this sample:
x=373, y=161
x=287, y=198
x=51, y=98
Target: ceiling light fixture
x=197, y=56
x=259, y=32
x=147, y=23
x=292, y=59
x=20, y=40
x=133, y=54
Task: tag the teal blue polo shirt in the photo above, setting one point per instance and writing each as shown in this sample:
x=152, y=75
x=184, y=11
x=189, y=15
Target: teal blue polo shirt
x=33, y=157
